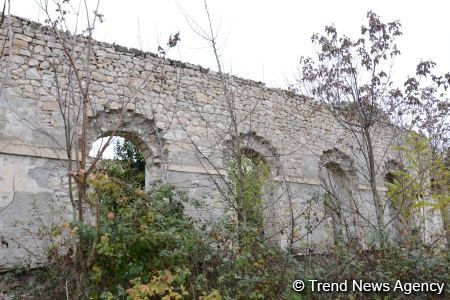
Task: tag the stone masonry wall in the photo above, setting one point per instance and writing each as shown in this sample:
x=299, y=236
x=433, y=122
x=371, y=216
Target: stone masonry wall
x=180, y=102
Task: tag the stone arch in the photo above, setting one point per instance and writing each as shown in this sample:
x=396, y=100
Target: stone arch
x=336, y=156
x=334, y=165
x=339, y=179
x=250, y=143
x=253, y=145
x=136, y=128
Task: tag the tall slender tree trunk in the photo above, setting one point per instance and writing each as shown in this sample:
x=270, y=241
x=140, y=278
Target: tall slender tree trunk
x=373, y=185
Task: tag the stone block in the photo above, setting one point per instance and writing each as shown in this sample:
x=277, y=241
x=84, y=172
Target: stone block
x=32, y=74
x=50, y=106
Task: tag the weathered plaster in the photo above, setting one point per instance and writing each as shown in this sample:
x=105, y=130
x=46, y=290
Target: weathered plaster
x=181, y=103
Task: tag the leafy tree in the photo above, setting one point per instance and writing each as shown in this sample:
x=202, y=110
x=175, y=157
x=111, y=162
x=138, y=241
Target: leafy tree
x=429, y=105
x=141, y=234
x=352, y=78
x=147, y=239
x=127, y=152
x=250, y=182
x=128, y=164
x=422, y=181
x=429, y=109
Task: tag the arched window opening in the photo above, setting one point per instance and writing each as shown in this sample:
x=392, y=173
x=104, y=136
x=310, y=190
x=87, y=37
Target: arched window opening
x=399, y=206
x=334, y=198
x=139, y=131
x=397, y=195
x=248, y=177
x=121, y=158
x=253, y=162
x=341, y=198
x=255, y=195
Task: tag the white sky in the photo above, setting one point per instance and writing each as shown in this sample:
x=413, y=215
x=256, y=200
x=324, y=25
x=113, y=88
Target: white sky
x=263, y=40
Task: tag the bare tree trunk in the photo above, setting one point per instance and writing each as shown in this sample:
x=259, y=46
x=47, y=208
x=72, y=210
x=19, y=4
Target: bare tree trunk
x=235, y=136
x=373, y=185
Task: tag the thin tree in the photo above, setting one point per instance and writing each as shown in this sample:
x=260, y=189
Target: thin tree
x=234, y=140
x=352, y=78
x=428, y=111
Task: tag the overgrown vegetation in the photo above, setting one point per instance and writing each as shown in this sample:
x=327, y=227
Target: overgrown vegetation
x=132, y=164
x=249, y=205
x=128, y=243
x=148, y=248
x=421, y=183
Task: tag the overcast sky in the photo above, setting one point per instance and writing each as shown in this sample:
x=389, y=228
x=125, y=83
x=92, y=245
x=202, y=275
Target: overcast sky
x=263, y=40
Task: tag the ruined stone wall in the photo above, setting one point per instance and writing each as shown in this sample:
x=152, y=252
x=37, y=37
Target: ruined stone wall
x=179, y=104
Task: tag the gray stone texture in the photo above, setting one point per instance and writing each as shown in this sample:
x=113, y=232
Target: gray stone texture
x=176, y=103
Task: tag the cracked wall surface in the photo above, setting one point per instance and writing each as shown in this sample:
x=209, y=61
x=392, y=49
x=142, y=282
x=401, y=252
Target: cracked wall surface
x=174, y=102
